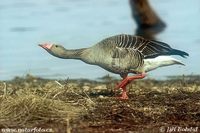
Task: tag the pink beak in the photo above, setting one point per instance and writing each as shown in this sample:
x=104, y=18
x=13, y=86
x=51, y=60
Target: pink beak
x=46, y=46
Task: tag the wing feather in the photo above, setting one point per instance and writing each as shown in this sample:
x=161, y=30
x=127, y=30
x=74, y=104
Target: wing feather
x=148, y=48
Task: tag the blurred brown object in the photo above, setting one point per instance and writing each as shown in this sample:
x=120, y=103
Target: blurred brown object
x=147, y=20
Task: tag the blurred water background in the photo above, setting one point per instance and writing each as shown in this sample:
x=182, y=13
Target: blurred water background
x=82, y=23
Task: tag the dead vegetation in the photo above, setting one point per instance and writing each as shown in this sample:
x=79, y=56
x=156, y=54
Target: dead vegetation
x=91, y=106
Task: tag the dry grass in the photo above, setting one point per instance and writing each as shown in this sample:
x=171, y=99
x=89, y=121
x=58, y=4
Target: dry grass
x=90, y=106
x=30, y=101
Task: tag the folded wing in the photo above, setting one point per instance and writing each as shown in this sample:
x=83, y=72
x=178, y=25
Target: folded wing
x=148, y=48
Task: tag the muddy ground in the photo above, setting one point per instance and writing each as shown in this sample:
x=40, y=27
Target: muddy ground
x=91, y=106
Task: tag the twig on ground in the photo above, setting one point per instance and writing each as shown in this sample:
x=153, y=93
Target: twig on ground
x=5, y=89
x=59, y=84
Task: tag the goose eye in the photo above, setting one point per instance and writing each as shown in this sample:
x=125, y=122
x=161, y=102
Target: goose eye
x=56, y=46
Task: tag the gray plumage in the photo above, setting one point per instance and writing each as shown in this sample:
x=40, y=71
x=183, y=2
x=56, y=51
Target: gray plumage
x=122, y=54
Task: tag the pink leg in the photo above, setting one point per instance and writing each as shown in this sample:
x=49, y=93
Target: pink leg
x=124, y=95
x=126, y=81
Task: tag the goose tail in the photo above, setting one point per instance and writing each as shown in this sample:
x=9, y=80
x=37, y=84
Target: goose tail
x=161, y=61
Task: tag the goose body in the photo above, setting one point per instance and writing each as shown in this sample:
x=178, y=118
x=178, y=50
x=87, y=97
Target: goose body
x=122, y=54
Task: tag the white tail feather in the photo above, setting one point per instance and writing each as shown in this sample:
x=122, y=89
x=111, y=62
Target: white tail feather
x=160, y=61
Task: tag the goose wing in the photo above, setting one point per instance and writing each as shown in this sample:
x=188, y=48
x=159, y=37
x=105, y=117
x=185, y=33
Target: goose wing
x=148, y=48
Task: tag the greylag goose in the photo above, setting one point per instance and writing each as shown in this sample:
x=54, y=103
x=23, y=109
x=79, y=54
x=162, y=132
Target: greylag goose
x=122, y=54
